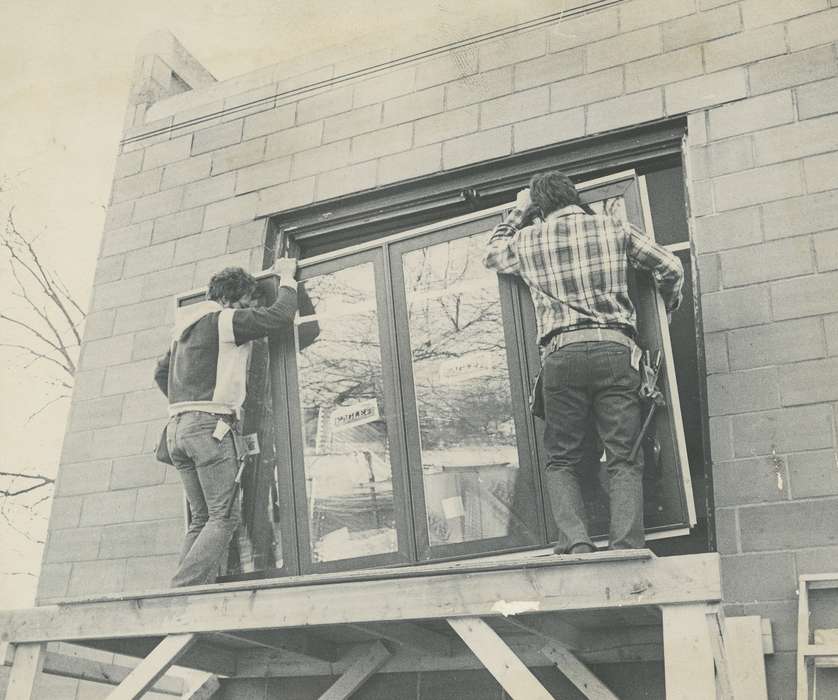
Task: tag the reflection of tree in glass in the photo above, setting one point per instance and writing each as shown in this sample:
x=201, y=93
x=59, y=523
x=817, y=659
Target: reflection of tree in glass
x=457, y=344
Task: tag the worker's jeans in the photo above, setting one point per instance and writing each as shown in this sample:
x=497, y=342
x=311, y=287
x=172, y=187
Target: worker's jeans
x=207, y=467
x=586, y=382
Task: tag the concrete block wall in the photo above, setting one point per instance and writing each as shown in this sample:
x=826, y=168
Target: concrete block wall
x=200, y=170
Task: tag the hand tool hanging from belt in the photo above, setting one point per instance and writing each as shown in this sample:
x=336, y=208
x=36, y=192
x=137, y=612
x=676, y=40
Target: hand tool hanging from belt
x=649, y=372
x=240, y=447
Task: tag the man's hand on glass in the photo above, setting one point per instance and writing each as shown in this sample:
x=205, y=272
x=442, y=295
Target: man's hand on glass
x=286, y=268
x=523, y=203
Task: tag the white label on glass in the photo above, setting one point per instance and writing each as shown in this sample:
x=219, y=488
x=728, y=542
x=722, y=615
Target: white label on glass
x=469, y=366
x=356, y=414
x=453, y=507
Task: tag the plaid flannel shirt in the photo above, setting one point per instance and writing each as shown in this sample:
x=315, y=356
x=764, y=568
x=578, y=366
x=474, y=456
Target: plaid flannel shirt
x=575, y=265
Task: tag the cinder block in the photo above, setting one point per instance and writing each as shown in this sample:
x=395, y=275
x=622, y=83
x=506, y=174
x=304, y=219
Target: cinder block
x=816, y=561
x=167, y=283
x=151, y=259
x=642, y=13
x=384, y=86
x=98, y=325
x=751, y=115
x=54, y=578
x=512, y=48
x=167, y=152
x=763, y=184
x=269, y=122
x=72, y=544
x=446, y=67
x=287, y=196
x=744, y=48
x=478, y=88
x=716, y=353
x=95, y=577
x=116, y=294
x=697, y=128
x=700, y=198
x=805, y=296
x=96, y=413
x=134, y=472
x=792, y=69
x=580, y=31
x=516, y=107
x=809, y=382
x=624, y=48
x=380, y=143
x=787, y=257
x=797, y=140
x=730, y=156
x=747, y=578
x=586, y=89
x=105, y=352
x=748, y=481
x=186, y=171
x=776, y=343
x=821, y=172
x=818, y=98
x=118, y=215
x=136, y=186
x=109, y=269
x=709, y=273
x=206, y=268
x=128, y=164
x=813, y=474
x=756, y=13
x=477, y=147
x=707, y=90
x=831, y=328
x=793, y=217
x=183, y=223
x=157, y=205
x=635, y=108
x=65, y=512
x=783, y=431
x=739, y=392
x=549, y=129
x=783, y=617
x=246, y=236
x=239, y=156
x=141, y=539
x=88, y=385
x=413, y=163
x=320, y=159
x=727, y=531
x=354, y=178
x=128, y=377
x=107, y=508
x=726, y=230
x=409, y=108
x=150, y=573
x=231, y=211
x=217, y=137
x=826, y=250
x=446, y=125
x=141, y=406
x=137, y=317
x=294, y=140
x=333, y=101
x=783, y=526
x=735, y=308
x=159, y=502
x=548, y=69
x=721, y=437
x=814, y=29
x=212, y=189
x=348, y=124
x=666, y=68
x=127, y=238
x=119, y=441
x=263, y=175
x=701, y=28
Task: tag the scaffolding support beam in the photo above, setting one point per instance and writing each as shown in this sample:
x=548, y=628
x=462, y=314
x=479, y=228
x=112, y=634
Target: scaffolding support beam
x=577, y=673
x=145, y=675
x=373, y=658
x=27, y=663
x=689, y=670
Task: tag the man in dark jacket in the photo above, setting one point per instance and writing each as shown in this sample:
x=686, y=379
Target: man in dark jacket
x=204, y=376
x=575, y=264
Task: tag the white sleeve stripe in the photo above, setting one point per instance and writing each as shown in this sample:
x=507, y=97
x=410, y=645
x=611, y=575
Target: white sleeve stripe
x=225, y=326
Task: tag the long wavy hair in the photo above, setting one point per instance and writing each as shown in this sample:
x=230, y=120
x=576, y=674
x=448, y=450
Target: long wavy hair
x=230, y=284
x=553, y=190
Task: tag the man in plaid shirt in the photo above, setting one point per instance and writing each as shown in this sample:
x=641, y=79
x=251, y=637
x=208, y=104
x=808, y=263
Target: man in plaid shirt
x=575, y=264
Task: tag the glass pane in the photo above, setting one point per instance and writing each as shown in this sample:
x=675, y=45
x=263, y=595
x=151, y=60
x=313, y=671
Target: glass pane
x=467, y=433
x=348, y=477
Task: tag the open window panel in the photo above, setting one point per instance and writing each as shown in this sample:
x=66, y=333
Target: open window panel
x=669, y=505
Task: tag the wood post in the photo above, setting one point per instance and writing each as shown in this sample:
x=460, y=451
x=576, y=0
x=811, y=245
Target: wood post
x=153, y=667
x=26, y=667
x=687, y=654
x=499, y=659
x=577, y=673
x=745, y=653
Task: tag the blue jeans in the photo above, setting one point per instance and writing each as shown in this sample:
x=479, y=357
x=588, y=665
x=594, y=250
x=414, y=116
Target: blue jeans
x=207, y=468
x=586, y=382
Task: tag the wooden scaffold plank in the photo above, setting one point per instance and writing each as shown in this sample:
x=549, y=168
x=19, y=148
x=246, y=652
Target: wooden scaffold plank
x=578, y=673
x=515, y=678
x=356, y=675
x=27, y=663
x=410, y=635
x=745, y=653
x=203, y=690
x=153, y=667
x=689, y=670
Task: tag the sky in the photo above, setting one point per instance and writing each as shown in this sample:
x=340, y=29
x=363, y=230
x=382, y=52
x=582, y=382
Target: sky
x=66, y=67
